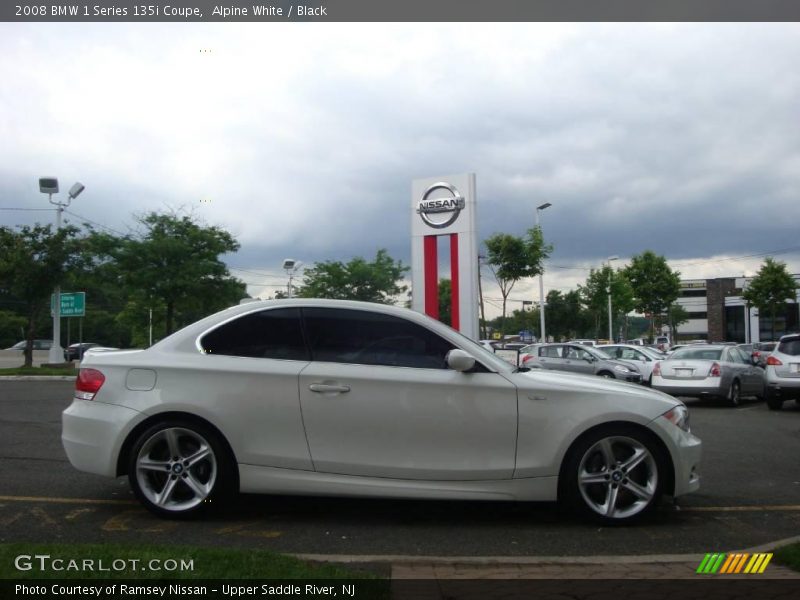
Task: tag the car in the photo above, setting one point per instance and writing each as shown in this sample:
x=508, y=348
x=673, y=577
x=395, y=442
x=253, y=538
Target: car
x=762, y=350
x=577, y=358
x=37, y=345
x=661, y=342
x=709, y=370
x=783, y=372
x=345, y=398
x=643, y=357
x=584, y=342
x=76, y=351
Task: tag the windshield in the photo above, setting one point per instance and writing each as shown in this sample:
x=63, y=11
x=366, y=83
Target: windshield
x=697, y=354
x=606, y=352
x=482, y=354
x=653, y=353
x=790, y=347
x=597, y=353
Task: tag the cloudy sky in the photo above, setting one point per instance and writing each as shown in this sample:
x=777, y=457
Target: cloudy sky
x=302, y=138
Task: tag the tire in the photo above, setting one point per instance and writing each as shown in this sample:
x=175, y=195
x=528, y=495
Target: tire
x=179, y=469
x=614, y=475
x=774, y=402
x=735, y=393
x=606, y=375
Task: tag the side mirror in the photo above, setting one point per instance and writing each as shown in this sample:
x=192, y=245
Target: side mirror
x=458, y=360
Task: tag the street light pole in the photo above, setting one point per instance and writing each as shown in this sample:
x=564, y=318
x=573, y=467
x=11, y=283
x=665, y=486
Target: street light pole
x=542, y=332
x=49, y=186
x=610, y=328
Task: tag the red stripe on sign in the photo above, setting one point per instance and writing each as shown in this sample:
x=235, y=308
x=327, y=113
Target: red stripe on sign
x=431, y=277
x=455, y=315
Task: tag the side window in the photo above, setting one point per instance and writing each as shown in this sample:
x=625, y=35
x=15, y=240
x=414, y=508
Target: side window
x=272, y=333
x=367, y=338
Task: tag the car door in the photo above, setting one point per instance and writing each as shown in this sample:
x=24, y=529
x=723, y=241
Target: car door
x=752, y=377
x=379, y=401
x=578, y=360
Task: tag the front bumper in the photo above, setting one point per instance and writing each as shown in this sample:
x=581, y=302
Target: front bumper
x=93, y=432
x=686, y=451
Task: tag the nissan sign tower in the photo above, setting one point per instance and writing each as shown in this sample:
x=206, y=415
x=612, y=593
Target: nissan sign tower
x=445, y=206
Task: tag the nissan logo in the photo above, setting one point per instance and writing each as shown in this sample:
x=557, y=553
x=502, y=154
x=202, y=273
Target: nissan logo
x=450, y=207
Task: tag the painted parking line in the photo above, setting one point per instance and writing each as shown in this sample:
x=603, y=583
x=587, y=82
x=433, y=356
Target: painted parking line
x=66, y=500
x=745, y=508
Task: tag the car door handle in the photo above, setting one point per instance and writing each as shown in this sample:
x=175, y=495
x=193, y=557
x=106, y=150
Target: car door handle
x=327, y=388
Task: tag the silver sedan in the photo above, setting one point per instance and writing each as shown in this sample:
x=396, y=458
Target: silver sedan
x=710, y=371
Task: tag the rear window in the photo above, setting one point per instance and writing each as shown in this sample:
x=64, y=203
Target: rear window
x=696, y=354
x=790, y=347
x=274, y=333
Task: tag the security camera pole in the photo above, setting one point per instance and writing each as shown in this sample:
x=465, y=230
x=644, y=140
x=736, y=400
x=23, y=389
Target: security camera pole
x=49, y=186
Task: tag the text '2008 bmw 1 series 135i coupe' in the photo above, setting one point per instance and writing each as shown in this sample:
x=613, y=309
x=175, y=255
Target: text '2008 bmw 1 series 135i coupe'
x=326, y=397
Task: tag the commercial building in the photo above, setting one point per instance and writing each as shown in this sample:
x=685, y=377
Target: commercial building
x=717, y=312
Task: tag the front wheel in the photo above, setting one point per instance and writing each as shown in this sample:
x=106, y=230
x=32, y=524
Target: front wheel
x=177, y=468
x=614, y=475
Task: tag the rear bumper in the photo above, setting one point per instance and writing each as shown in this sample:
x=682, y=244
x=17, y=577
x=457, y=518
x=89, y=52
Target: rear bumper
x=93, y=432
x=697, y=389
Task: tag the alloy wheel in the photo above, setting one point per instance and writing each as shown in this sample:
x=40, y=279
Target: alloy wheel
x=618, y=477
x=176, y=469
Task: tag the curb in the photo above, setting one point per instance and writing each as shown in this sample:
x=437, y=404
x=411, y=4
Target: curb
x=534, y=560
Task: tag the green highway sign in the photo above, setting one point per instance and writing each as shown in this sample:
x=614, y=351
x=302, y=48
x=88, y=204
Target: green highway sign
x=73, y=304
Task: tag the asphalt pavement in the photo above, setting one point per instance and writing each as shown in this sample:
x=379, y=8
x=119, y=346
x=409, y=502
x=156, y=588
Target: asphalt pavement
x=750, y=497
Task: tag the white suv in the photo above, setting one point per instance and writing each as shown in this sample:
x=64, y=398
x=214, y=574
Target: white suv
x=783, y=372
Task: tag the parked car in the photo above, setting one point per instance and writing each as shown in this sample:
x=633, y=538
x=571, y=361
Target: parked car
x=76, y=351
x=342, y=398
x=643, y=357
x=783, y=372
x=584, y=342
x=709, y=370
x=37, y=345
x=661, y=342
x=762, y=350
x=577, y=358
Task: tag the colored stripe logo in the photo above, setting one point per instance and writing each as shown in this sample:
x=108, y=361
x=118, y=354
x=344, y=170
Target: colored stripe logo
x=734, y=564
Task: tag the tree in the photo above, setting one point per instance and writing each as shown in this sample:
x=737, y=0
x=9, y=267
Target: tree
x=676, y=316
x=445, y=302
x=511, y=258
x=376, y=281
x=174, y=262
x=770, y=289
x=595, y=296
x=655, y=286
x=33, y=260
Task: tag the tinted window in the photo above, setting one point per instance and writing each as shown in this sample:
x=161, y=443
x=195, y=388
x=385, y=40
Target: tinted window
x=272, y=333
x=790, y=347
x=366, y=338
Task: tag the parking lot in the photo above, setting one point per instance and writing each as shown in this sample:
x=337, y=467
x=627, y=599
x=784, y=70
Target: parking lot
x=750, y=496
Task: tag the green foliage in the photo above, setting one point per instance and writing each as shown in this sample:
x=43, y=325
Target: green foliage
x=770, y=289
x=172, y=266
x=445, y=301
x=595, y=296
x=33, y=260
x=12, y=328
x=676, y=316
x=376, y=281
x=511, y=258
x=655, y=286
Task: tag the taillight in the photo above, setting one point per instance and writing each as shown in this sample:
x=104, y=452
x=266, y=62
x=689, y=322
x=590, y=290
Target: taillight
x=527, y=358
x=88, y=383
x=657, y=369
x=771, y=360
x=716, y=370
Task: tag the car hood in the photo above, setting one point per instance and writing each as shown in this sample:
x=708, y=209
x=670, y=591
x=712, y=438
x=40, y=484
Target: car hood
x=646, y=400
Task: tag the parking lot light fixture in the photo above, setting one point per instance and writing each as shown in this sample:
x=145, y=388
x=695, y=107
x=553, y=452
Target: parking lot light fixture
x=49, y=186
x=542, y=333
x=610, y=328
x=291, y=266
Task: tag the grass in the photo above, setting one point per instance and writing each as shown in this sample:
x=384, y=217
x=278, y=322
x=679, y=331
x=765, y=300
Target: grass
x=207, y=563
x=71, y=371
x=789, y=556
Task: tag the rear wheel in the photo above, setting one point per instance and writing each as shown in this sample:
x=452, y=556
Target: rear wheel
x=614, y=475
x=735, y=394
x=606, y=375
x=177, y=468
x=774, y=402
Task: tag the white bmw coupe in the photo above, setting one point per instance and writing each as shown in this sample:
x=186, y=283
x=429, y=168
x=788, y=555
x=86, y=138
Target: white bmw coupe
x=348, y=398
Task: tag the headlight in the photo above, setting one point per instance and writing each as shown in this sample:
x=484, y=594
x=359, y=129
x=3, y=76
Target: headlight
x=679, y=416
x=622, y=369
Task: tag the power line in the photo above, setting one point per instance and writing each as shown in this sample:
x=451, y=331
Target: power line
x=25, y=209
x=69, y=212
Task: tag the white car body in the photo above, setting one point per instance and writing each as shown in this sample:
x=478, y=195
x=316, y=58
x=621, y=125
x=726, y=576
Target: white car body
x=347, y=429
x=643, y=357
